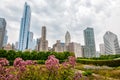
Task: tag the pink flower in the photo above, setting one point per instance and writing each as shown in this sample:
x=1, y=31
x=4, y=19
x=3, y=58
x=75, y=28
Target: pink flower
x=17, y=62
x=72, y=61
x=29, y=62
x=52, y=63
x=4, y=61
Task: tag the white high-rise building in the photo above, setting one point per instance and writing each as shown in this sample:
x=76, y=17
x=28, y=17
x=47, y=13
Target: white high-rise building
x=111, y=43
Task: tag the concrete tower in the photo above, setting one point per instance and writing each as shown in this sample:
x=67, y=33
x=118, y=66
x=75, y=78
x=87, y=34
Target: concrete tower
x=43, y=41
x=43, y=33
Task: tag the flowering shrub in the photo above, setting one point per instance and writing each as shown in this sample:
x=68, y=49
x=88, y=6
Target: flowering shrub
x=5, y=73
x=27, y=70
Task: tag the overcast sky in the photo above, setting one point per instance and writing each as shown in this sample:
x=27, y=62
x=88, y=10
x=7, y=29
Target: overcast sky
x=60, y=16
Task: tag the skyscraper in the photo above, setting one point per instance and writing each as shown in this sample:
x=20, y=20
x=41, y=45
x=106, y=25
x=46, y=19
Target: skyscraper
x=24, y=29
x=43, y=41
x=111, y=43
x=67, y=40
x=89, y=42
x=2, y=31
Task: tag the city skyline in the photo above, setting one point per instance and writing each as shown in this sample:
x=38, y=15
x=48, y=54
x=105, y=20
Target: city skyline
x=62, y=18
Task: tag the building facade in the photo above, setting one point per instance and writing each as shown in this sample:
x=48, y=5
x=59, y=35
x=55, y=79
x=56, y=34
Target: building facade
x=89, y=42
x=58, y=47
x=2, y=31
x=102, y=49
x=111, y=43
x=76, y=49
x=25, y=27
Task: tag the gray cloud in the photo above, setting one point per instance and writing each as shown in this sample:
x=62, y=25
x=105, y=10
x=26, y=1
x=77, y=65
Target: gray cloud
x=62, y=15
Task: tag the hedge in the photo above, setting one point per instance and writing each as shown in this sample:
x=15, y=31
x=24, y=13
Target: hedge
x=38, y=61
x=111, y=63
x=34, y=55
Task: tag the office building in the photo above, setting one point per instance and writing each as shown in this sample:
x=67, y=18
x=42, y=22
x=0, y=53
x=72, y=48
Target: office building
x=89, y=42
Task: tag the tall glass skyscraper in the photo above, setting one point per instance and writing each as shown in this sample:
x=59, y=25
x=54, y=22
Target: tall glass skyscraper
x=89, y=42
x=25, y=27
